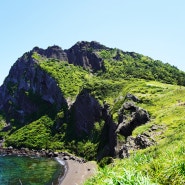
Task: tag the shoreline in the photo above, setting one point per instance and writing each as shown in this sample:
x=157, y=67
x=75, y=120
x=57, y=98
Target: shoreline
x=77, y=173
x=65, y=165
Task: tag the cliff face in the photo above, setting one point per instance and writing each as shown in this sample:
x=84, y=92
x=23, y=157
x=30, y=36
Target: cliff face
x=52, y=52
x=83, y=54
x=28, y=91
x=28, y=87
x=85, y=112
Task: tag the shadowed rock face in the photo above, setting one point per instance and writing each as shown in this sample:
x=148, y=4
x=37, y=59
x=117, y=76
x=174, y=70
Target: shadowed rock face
x=128, y=122
x=27, y=90
x=83, y=54
x=108, y=142
x=28, y=86
x=52, y=52
x=85, y=112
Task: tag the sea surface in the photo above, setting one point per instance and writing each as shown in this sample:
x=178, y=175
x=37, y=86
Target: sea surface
x=16, y=170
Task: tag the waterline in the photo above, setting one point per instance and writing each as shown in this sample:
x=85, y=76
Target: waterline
x=30, y=171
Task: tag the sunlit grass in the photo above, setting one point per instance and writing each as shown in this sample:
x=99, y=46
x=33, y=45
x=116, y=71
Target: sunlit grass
x=163, y=163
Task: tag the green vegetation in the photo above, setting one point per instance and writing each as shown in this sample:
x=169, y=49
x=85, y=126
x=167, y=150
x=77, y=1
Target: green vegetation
x=70, y=78
x=35, y=135
x=163, y=163
x=2, y=122
x=126, y=65
x=124, y=72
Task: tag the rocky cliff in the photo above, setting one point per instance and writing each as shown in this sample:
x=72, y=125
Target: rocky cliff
x=81, y=54
x=29, y=92
x=28, y=87
x=84, y=54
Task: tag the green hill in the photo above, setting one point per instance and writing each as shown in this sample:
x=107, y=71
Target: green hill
x=71, y=100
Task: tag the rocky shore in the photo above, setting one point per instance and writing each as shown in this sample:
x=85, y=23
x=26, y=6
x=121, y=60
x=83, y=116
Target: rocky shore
x=40, y=153
x=77, y=170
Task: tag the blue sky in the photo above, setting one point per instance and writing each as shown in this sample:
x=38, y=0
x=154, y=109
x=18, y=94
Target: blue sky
x=153, y=28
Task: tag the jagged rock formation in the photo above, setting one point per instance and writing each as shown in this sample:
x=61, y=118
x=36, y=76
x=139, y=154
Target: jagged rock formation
x=130, y=117
x=83, y=54
x=28, y=86
x=107, y=146
x=84, y=113
x=141, y=141
x=52, y=52
x=28, y=91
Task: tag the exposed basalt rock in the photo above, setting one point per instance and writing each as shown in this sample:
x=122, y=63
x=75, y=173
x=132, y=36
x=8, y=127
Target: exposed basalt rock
x=28, y=90
x=52, y=52
x=141, y=141
x=131, y=116
x=85, y=112
x=83, y=54
x=128, y=121
x=132, y=97
x=107, y=146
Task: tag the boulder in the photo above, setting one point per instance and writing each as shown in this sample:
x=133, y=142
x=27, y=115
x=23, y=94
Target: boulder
x=129, y=122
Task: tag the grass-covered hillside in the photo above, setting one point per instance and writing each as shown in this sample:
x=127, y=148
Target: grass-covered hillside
x=127, y=65
x=159, y=87
x=163, y=163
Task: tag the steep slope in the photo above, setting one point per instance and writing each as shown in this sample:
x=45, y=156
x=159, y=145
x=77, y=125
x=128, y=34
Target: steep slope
x=164, y=162
x=95, y=102
x=28, y=92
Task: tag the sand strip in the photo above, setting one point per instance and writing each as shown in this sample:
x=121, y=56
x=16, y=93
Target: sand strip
x=77, y=172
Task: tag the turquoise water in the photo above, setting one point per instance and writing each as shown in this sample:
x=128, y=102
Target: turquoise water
x=29, y=171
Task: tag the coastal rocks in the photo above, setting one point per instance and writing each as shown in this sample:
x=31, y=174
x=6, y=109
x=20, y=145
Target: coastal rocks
x=40, y=153
x=66, y=157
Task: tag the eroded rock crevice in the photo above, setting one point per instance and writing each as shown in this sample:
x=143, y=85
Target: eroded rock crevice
x=130, y=117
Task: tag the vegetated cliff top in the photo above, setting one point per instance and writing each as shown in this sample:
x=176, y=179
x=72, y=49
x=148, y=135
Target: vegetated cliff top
x=74, y=100
x=112, y=62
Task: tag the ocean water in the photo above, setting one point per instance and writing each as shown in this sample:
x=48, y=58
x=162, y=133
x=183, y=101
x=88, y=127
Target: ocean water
x=16, y=170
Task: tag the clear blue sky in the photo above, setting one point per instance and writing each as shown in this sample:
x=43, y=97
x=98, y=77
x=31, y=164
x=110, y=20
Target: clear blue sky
x=155, y=28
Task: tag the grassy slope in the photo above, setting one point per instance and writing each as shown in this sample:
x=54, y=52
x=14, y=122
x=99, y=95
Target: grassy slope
x=163, y=163
x=70, y=78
